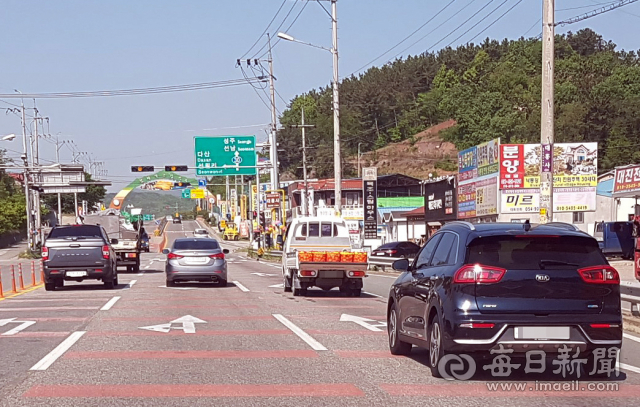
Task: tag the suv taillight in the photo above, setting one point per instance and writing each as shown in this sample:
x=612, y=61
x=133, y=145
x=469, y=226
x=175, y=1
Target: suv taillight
x=45, y=253
x=217, y=256
x=171, y=256
x=600, y=275
x=477, y=273
x=105, y=252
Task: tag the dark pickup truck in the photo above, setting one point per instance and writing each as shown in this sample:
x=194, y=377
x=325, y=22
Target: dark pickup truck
x=77, y=253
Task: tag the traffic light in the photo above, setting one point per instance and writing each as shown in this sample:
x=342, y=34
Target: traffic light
x=142, y=168
x=181, y=184
x=172, y=168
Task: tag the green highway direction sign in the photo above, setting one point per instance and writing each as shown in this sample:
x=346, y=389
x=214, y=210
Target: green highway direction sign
x=147, y=217
x=186, y=193
x=225, y=155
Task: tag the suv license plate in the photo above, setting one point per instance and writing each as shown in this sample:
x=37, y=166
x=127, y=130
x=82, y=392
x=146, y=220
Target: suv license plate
x=542, y=332
x=76, y=273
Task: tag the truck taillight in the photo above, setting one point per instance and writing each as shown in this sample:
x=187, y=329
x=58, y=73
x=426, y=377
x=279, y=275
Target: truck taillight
x=308, y=273
x=356, y=273
x=45, y=253
x=105, y=252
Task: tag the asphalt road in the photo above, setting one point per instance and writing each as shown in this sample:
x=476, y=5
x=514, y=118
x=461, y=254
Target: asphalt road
x=246, y=344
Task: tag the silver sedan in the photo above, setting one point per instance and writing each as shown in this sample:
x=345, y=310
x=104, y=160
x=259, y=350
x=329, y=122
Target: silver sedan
x=193, y=259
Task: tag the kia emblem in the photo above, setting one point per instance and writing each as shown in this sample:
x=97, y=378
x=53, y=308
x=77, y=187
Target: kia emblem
x=542, y=278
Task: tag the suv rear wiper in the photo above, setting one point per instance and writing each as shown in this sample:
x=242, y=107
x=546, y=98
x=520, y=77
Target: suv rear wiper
x=543, y=263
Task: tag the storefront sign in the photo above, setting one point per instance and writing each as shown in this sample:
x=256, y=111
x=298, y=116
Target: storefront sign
x=370, y=194
x=488, y=158
x=439, y=200
x=512, y=168
x=487, y=197
x=467, y=200
x=467, y=164
x=627, y=179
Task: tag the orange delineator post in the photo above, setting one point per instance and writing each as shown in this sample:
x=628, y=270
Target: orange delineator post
x=20, y=277
x=13, y=280
x=41, y=272
x=33, y=273
x=1, y=289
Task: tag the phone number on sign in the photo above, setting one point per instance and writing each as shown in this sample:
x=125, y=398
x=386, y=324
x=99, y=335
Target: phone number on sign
x=572, y=208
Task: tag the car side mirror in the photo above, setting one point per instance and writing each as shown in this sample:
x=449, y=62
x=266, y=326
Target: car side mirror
x=401, y=265
x=165, y=251
x=114, y=241
x=225, y=251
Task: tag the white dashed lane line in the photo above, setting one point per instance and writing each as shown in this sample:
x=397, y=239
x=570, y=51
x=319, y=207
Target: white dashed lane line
x=110, y=304
x=241, y=287
x=315, y=345
x=55, y=354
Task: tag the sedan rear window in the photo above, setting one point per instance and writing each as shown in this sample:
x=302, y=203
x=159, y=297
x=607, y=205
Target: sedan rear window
x=535, y=253
x=76, y=231
x=200, y=244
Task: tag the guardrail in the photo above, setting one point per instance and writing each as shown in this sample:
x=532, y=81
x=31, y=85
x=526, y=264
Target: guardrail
x=630, y=292
x=384, y=262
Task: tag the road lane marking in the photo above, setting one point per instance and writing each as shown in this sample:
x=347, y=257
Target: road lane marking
x=48, y=360
x=315, y=345
x=131, y=283
x=375, y=295
x=23, y=325
x=241, y=287
x=110, y=304
x=364, y=322
x=633, y=338
x=147, y=267
x=629, y=367
x=380, y=275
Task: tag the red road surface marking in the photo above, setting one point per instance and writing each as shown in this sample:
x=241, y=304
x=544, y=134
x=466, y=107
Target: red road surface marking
x=344, y=332
x=197, y=390
x=56, y=319
x=198, y=333
x=206, y=318
x=36, y=335
x=365, y=354
x=212, y=354
x=48, y=309
x=189, y=307
x=481, y=390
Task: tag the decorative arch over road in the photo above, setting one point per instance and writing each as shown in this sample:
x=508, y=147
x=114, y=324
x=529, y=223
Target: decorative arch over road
x=160, y=181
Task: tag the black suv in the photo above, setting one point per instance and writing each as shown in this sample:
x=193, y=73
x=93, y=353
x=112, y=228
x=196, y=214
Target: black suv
x=473, y=288
x=76, y=253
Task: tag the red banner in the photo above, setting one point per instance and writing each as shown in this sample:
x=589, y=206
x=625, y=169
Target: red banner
x=627, y=179
x=511, y=166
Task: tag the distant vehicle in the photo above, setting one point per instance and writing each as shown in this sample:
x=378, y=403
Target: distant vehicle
x=616, y=238
x=177, y=219
x=191, y=259
x=200, y=233
x=169, y=218
x=474, y=288
x=77, y=253
x=128, y=236
x=230, y=232
x=406, y=250
x=317, y=252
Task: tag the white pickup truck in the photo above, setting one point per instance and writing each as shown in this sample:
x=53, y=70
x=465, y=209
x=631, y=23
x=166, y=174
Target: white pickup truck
x=317, y=252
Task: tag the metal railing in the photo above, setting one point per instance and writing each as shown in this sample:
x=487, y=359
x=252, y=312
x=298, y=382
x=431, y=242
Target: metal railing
x=630, y=292
x=384, y=262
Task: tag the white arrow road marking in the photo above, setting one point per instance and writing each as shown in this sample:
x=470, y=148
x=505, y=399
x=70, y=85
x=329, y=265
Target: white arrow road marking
x=241, y=287
x=48, y=360
x=315, y=345
x=188, y=323
x=263, y=274
x=23, y=325
x=277, y=286
x=178, y=288
x=363, y=322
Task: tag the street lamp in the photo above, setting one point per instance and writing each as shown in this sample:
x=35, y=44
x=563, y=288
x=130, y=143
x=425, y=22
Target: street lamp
x=337, y=162
x=8, y=137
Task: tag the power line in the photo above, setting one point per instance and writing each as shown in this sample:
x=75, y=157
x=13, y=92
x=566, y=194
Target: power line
x=476, y=24
x=596, y=12
x=286, y=29
x=496, y=20
x=265, y=30
x=404, y=39
x=138, y=91
x=266, y=44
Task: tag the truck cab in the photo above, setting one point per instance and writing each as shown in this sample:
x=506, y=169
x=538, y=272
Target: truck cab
x=317, y=252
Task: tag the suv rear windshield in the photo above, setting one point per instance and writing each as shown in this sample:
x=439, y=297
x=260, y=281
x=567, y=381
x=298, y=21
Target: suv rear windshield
x=200, y=244
x=527, y=253
x=76, y=231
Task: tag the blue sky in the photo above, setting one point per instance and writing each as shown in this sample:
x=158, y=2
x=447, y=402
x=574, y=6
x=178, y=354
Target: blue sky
x=85, y=45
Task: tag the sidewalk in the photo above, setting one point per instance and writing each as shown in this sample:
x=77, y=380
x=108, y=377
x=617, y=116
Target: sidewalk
x=12, y=252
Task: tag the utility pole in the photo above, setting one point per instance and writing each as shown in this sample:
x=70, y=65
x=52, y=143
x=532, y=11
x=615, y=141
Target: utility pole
x=227, y=192
x=58, y=146
x=36, y=160
x=275, y=184
x=337, y=161
x=27, y=191
x=305, y=197
x=547, y=119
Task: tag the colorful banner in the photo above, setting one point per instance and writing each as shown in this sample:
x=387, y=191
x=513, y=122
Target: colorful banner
x=520, y=201
x=467, y=200
x=467, y=164
x=487, y=197
x=564, y=200
x=488, y=155
x=512, y=169
x=627, y=179
x=574, y=165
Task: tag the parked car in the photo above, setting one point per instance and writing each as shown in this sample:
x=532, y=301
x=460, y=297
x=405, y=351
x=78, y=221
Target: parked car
x=77, y=253
x=193, y=259
x=201, y=233
x=408, y=250
x=616, y=238
x=474, y=287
